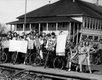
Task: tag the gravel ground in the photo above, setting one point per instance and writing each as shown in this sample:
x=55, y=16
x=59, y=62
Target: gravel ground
x=97, y=69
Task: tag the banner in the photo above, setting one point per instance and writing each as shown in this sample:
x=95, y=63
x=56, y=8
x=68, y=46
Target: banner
x=61, y=42
x=19, y=46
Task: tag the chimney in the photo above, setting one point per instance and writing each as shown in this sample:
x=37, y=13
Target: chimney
x=97, y=2
x=73, y=0
x=49, y=2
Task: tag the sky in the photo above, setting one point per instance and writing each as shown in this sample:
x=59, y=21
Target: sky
x=10, y=9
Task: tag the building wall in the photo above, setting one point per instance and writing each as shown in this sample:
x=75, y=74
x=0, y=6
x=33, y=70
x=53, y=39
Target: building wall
x=92, y=29
x=80, y=19
x=45, y=27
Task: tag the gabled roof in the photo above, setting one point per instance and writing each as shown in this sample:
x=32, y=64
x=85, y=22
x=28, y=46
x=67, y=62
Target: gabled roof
x=67, y=8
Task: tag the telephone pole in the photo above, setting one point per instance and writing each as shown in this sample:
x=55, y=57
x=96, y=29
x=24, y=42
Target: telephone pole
x=25, y=14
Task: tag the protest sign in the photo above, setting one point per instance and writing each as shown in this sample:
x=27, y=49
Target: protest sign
x=18, y=46
x=61, y=42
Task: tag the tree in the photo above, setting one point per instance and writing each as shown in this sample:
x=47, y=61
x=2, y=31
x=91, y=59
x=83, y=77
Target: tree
x=2, y=28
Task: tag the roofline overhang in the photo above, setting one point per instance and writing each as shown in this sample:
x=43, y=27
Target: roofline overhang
x=42, y=22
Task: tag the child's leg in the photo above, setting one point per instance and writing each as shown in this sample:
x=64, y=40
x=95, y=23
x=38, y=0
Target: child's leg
x=89, y=69
x=77, y=67
x=41, y=54
x=69, y=66
x=80, y=67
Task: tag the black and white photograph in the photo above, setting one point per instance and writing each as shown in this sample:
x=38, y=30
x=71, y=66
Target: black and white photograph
x=50, y=39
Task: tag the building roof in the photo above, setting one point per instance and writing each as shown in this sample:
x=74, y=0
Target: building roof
x=67, y=8
x=45, y=19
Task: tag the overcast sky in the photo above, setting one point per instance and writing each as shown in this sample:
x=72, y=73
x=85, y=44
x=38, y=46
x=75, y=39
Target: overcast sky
x=10, y=9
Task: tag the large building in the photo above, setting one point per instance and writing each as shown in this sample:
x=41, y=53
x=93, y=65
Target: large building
x=78, y=18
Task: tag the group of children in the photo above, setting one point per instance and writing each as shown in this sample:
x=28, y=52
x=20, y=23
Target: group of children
x=82, y=55
x=85, y=50
x=38, y=42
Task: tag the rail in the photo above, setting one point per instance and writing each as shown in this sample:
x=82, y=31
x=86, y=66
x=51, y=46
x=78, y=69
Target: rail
x=53, y=73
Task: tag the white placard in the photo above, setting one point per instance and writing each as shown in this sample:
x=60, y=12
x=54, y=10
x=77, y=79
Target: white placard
x=19, y=46
x=61, y=42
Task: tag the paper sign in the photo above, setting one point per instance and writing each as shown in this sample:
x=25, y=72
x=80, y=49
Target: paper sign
x=61, y=42
x=19, y=46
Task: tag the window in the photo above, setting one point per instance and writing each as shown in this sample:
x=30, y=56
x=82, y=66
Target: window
x=90, y=37
x=27, y=27
x=96, y=23
x=52, y=26
x=85, y=21
x=95, y=38
x=35, y=26
x=19, y=27
x=101, y=25
x=63, y=26
x=93, y=23
x=43, y=26
x=101, y=28
x=72, y=28
x=84, y=37
x=88, y=23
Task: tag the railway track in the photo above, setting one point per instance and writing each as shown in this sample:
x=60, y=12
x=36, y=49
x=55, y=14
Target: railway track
x=27, y=72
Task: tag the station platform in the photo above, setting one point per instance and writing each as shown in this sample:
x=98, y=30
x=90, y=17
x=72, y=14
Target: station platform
x=50, y=72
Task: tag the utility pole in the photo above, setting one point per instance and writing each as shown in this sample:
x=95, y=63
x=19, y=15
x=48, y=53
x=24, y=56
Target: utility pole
x=25, y=14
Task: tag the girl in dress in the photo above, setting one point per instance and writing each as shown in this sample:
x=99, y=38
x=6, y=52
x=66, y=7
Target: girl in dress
x=82, y=55
x=88, y=49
